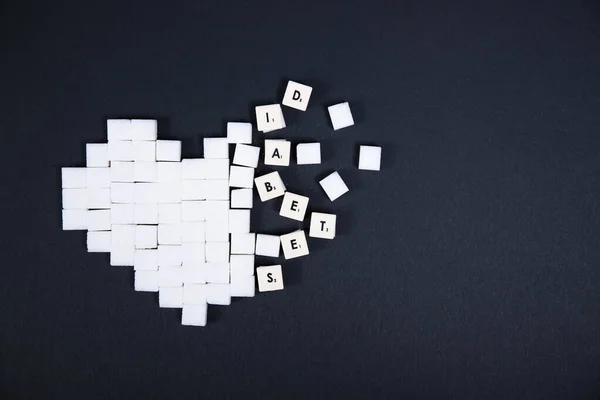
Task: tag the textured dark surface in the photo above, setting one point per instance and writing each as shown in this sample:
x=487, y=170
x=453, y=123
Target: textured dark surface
x=466, y=269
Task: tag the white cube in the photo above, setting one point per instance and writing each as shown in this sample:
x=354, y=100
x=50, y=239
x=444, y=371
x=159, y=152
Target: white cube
x=192, y=232
x=239, y=132
x=121, y=171
x=98, y=220
x=241, y=177
x=169, y=233
x=193, y=254
x=118, y=129
x=98, y=198
x=98, y=178
x=74, y=178
x=122, y=214
x=216, y=148
x=369, y=158
x=146, y=193
x=170, y=276
x=269, y=278
x=120, y=151
x=193, y=189
x=242, y=286
x=169, y=192
x=144, y=129
x=341, y=116
x=194, y=293
x=269, y=186
x=146, y=260
x=169, y=256
x=145, y=214
x=194, y=314
x=145, y=171
x=193, y=168
x=123, y=235
x=334, y=186
x=217, y=210
x=277, y=152
x=168, y=171
x=121, y=192
x=194, y=274
x=169, y=213
x=218, y=294
x=294, y=245
x=239, y=221
x=146, y=237
x=267, y=245
x=217, y=252
x=217, y=168
x=242, y=243
x=216, y=231
x=143, y=150
x=122, y=255
x=241, y=198
x=246, y=155
x=296, y=95
x=193, y=211
x=168, y=150
x=217, y=189
x=74, y=199
x=269, y=118
x=146, y=281
x=308, y=153
x=241, y=265
x=294, y=206
x=170, y=297
x=98, y=242
x=74, y=220
x=217, y=272
x=96, y=155
x=322, y=225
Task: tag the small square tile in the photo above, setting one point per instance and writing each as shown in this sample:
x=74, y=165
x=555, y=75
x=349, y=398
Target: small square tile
x=334, y=186
x=168, y=150
x=341, y=116
x=194, y=314
x=243, y=243
x=369, y=158
x=269, y=117
x=193, y=168
x=296, y=95
x=246, y=155
x=308, y=153
x=294, y=245
x=269, y=186
x=267, y=245
x=146, y=237
x=322, y=225
x=277, y=152
x=269, y=278
x=217, y=252
x=241, y=198
x=241, y=177
x=239, y=132
x=216, y=148
x=294, y=206
x=170, y=297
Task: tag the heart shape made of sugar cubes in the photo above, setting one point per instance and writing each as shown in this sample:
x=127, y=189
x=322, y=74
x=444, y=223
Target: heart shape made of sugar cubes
x=184, y=225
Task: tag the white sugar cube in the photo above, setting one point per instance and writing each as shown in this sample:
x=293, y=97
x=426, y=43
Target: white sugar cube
x=239, y=132
x=122, y=214
x=118, y=129
x=98, y=242
x=277, y=152
x=74, y=220
x=143, y=150
x=169, y=213
x=146, y=237
x=269, y=278
x=121, y=171
x=145, y=214
x=169, y=192
x=322, y=225
x=217, y=210
x=341, y=116
x=216, y=148
x=123, y=235
x=267, y=245
x=169, y=256
x=194, y=274
x=144, y=129
x=296, y=95
x=74, y=178
x=98, y=198
x=217, y=272
x=193, y=254
x=217, y=189
x=218, y=294
x=293, y=206
x=145, y=171
x=192, y=232
x=98, y=178
x=269, y=186
x=239, y=221
x=269, y=118
x=98, y=220
x=170, y=276
x=242, y=286
x=168, y=171
x=168, y=150
x=192, y=211
x=194, y=314
x=216, y=231
x=241, y=265
x=241, y=177
x=122, y=255
x=146, y=281
x=193, y=189
x=241, y=198
x=193, y=168
x=217, y=168
x=333, y=185
x=294, y=245
x=96, y=155
x=170, y=297
x=146, y=260
x=120, y=151
x=217, y=252
x=308, y=153
x=169, y=233
x=194, y=293
x=122, y=192
x=369, y=158
x=146, y=193
x=74, y=199
x=242, y=243
x=246, y=155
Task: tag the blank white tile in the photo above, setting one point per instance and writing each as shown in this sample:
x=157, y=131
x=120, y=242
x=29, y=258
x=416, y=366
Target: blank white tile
x=216, y=231
x=269, y=117
x=241, y=265
x=122, y=255
x=194, y=314
x=145, y=214
x=120, y=151
x=123, y=235
x=122, y=214
x=294, y=206
x=269, y=278
x=169, y=192
x=241, y=198
x=194, y=293
x=217, y=189
x=193, y=189
x=242, y=286
x=75, y=178
x=119, y=129
x=169, y=213
x=369, y=158
x=145, y=171
x=218, y=294
x=146, y=260
x=96, y=155
x=143, y=150
x=98, y=178
x=146, y=237
x=98, y=242
x=246, y=155
x=170, y=276
x=192, y=232
x=241, y=177
x=121, y=192
x=294, y=245
x=217, y=210
x=243, y=243
x=193, y=274
x=269, y=186
x=334, y=186
x=169, y=255
x=170, y=297
x=277, y=152
x=169, y=234
x=217, y=252
x=193, y=211
x=217, y=272
x=146, y=193
x=98, y=198
x=308, y=153
x=193, y=168
x=146, y=281
x=341, y=116
x=168, y=171
x=322, y=225
x=168, y=150
x=98, y=220
x=239, y=132
x=121, y=171
x=217, y=168
x=74, y=199
x=74, y=220
x=239, y=221
x=193, y=254
x=216, y=148
x=296, y=96
x=144, y=129
x=267, y=245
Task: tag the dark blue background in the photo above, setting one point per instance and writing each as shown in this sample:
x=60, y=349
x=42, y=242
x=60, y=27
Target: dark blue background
x=466, y=269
